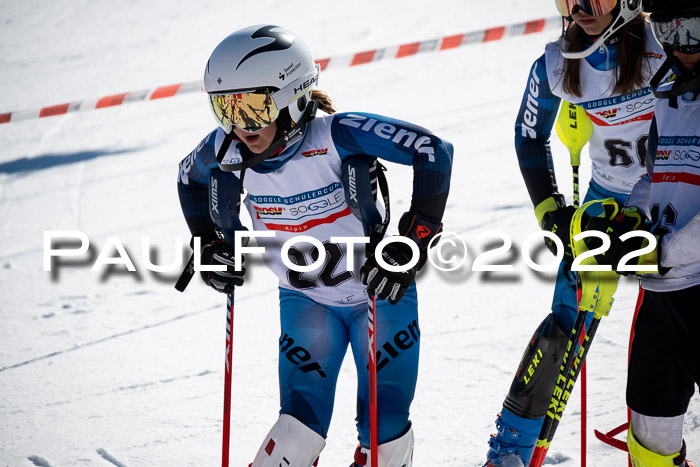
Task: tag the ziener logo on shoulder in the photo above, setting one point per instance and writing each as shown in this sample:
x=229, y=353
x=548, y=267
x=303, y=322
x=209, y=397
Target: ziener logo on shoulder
x=422, y=144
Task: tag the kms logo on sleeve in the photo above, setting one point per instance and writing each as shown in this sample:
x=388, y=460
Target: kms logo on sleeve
x=422, y=144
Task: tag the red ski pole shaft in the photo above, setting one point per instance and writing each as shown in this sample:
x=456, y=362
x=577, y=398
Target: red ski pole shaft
x=227, y=382
x=373, y=423
x=583, y=414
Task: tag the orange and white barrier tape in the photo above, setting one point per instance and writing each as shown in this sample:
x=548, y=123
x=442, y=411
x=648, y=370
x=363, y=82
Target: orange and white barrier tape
x=360, y=58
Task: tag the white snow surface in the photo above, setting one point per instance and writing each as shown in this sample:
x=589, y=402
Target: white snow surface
x=104, y=369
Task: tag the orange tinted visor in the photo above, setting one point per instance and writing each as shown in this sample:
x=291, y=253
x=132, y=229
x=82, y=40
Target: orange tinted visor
x=592, y=7
x=251, y=111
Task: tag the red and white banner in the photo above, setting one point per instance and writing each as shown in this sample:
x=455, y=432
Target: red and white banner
x=359, y=58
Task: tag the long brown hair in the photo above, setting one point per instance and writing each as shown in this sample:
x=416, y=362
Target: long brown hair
x=324, y=101
x=629, y=60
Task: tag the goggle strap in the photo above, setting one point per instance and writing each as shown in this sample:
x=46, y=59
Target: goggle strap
x=223, y=149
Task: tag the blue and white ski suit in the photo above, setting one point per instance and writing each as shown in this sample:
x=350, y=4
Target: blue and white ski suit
x=300, y=192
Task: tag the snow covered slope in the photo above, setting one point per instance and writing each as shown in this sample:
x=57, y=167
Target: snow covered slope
x=112, y=368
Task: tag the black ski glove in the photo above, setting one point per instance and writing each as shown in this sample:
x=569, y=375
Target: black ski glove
x=390, y=285
x=218, y=253
x=555, y=216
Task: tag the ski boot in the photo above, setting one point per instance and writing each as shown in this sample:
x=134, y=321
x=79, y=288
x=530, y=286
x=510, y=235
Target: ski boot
x=642, y=457
x=396, y=453
x=510, y=447
x=289, y=442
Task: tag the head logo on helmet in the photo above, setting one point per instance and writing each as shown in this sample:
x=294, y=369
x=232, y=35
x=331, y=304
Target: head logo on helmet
x=281, y=40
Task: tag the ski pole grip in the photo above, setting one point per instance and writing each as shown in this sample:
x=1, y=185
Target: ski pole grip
x=184, y=280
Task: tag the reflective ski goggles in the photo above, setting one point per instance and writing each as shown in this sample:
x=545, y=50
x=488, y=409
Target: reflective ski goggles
x=592, y=7
x=251, y=111
x=680, y=34
x=254, y=109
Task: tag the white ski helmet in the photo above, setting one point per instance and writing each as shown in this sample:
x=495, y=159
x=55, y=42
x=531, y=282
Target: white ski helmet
x=676, y=27
x=623, y=11
x=266, y=60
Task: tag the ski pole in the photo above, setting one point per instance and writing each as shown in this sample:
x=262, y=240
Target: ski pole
x=230, y=188
x=569, y=371
x=596, y=295
x=224, y=211
x=554, y=410
x=609, y=437
x=574, y=128
x=182, y=283
x=373, y=423
x=368, y=176
x=227, y=381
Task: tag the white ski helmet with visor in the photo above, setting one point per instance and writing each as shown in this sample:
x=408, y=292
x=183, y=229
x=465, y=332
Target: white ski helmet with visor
x=675, y=24
x=676, y=27
x=258, y=74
